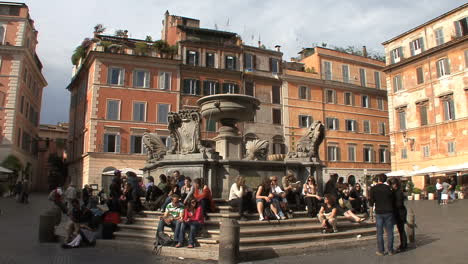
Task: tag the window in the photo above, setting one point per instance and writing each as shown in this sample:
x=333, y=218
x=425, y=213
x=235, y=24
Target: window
x=365, y=101
x=165, y=80
x=333, y=153
x=423, y=114
x=249, y=61
x=362, y=75
x=22, y=104
x=380, y=104
x=451, y=147
x=330, y=96
x=191, y=86
x=304, y=92
x=351, y=152
x=404, y=153
x=466, y=59
x=230, y=88
x=443, y=67
x=327, y=70
x=351, y=125
x=136, y=145
x=419, y=75
x=377, y=79
x=397, y=83
x=416, y=46
x=249, y=88
x=367, y=152
x=396, y=54
x=383, y=155
x=141, y=79
x=139, y=111
x=210, y=60
x=192, y=57
x=2, y=34
x=113, y=110
x=230, y=62
x=274, y=65
x=439, y=36
x=332, y=123
x=163, y=110
x=305, y=120
x=112, y=143
x=382, y=128
x=26, y=142
x=367, y=126
x=275, y=94
x=345, y=70
x=348, y=98
x=116, y=76
x=449, y=107
x=210, y=125
x=210, y=87
x=276, y=116
x=461, y=27
x=426, y=151
x=402, y=118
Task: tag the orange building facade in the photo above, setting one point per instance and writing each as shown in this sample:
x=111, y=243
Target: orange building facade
x=428, y=95
x=347, y=93
x=21, y=85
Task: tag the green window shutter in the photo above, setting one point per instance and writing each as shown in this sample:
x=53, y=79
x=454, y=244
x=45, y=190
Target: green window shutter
x=197, y=60
x=400, y=49
x=447, y=66
x=132, y=144
x=458, y=29
x=438, y=69
x=206, y=88
x=236, y=88
x=106, y=142
x=186, y=88
x=225, y=88
x=197, y=87
x=421, y=42
x=411, y=45
x=117, y=147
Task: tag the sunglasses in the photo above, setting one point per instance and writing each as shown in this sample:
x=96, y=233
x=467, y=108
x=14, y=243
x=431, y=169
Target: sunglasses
x=309, y=180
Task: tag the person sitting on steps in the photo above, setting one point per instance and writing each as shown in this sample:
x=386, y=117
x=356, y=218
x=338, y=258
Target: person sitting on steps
x=328, y=213
x=238, y=197
x=345, y=208
x=311, y=197
x=279, y=198
x=292, y=188
x=172, y=217
x=264, y=198
x=193, y=221
x=202, y=193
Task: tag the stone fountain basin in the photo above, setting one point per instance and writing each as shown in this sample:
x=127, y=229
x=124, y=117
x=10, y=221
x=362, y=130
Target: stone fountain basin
x=228, y=106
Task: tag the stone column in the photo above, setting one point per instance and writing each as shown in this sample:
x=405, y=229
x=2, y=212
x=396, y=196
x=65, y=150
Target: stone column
x=229, y=241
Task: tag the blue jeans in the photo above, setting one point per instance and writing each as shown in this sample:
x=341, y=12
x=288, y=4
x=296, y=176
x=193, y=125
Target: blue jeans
x=194, y=228
x=452, y=195
x=384, y=221
x=174, y=225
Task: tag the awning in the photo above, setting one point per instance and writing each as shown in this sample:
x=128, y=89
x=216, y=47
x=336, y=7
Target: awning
x=124, y=170
x=5, y=170
x=427, y=170
x=398, y=173
x=456, y=168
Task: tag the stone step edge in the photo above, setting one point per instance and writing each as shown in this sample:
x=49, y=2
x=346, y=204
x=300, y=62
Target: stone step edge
x=299, y=237
x=281, y=229
x=154, y=228
x=146, y=237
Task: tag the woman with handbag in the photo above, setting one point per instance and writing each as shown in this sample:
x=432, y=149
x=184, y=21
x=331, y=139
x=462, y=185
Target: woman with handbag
x=193, y=221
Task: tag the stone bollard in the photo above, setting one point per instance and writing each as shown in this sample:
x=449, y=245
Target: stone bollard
x=47, y=228
x=411, y=228
x=229, y=241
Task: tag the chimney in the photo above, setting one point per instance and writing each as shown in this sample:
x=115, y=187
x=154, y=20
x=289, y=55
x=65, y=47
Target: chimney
x=278, y=48
x=259, y=44
x=125, y=34
x=364, y=51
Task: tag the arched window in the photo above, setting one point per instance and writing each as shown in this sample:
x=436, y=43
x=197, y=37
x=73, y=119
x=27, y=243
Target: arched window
x=250, y=136
x=278, y=145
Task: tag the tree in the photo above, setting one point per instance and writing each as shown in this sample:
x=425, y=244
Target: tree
x=11, y=162
x=120, y=33
x=149, y=39
x=99, y=29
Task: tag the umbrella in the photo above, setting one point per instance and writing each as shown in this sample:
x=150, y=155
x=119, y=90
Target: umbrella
x=427, y=170
x=398, y=173
x=456, y=168
x=124, y=170
x=5, y=170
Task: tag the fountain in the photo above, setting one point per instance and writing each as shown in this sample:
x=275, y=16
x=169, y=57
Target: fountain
x=220, y=168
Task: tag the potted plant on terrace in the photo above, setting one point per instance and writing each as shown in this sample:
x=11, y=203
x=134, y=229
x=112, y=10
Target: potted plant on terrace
x=417, y=194
x=430, y=192
x=409, y=189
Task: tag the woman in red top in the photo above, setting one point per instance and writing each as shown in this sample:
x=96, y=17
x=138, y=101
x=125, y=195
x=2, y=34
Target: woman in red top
x=203, y=195
x=193, y=218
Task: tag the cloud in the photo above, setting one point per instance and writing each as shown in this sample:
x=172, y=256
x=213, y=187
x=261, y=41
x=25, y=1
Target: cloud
x=293, y=24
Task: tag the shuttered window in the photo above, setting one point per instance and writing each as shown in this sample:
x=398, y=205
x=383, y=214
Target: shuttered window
x=141, y=79
x=249, y=88
x=380, y=103
x=230, y=88
x=191, y=86
x=249, y=61
x=365, y=101
x=439, y=36
x=333, y=153
x=275, y=94
x=367, y=126
x=416, y=46
x=423, y=114
x=362, y=75
x=139, y=111
x=397, y=83
x=396, y=55
x=351, y=152
x=115, y=76
x=112, y=143
x=305, y=121
x=348, y=98
x=276, y=114
x=113, y=110
x=404, y=153
x=210, y=87
x=345, y=71
x=377, y=79
x=230, y=62
x=449, y=108
x=419, y=75
x=332, y=123
x=304, y=92
x=402, y=119
x=461, y=27
x=136, y=144
x=327, y=70
x=443, y=67
x=164, y=82
x=163, y=110
x=210, y=60
x=382, y=128
x=330, y=96
x=368, y=154
x=192, y=58
x=351, y=125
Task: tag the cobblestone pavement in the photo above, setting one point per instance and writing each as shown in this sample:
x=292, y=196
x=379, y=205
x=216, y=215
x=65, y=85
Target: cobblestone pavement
x=441, y=237
x=19, y=241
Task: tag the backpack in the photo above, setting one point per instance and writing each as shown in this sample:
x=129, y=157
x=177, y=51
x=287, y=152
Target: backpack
x=162, y=240
x=269, y=215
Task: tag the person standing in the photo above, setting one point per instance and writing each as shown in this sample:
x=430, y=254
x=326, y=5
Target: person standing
x=382, y=197
x=130, y=198
x=115, y=191
x=445, y=192
x=439, y=189
x=85, y=194
x=399, y=213
x=70, y=194
x=452, y=188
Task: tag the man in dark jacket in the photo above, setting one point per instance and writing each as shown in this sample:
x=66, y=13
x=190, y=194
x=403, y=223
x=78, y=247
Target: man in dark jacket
x=399, y=213
x=85, y=194
x=115, y=191
x=382, y=197
x=330, y=186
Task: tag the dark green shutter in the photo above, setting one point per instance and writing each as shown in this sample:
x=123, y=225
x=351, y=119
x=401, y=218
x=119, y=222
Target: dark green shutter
x=225, y=87
x=206, y=88
x=196, y=58
x=421, y=43
x=236, y=88
x=197, y=87
x=186, y=89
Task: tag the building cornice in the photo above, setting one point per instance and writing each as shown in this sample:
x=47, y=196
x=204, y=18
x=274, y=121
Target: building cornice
x=201, y=70
x=22, y=51
x=351, y=61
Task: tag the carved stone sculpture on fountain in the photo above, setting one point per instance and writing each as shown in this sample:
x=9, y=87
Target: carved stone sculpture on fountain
x=308, y=145
x=256, y=149
x=155, y=146
x=184, y=129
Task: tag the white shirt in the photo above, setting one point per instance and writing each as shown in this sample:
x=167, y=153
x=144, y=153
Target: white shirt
x=235, y=192
x=276, y=189
x=71, y=193
x=439, y=186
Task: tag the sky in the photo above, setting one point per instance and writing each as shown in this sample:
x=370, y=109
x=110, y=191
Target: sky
x=293, y=24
